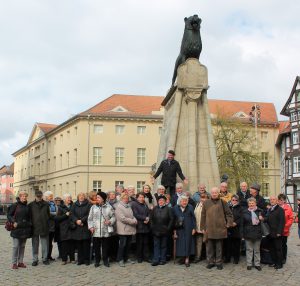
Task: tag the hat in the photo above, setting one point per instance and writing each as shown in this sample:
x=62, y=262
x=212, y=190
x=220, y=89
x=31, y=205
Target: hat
x=38, y=193
x=171, y=152
x=255, y=186
x=57, y=199
x=102, y=195
x=161, y=197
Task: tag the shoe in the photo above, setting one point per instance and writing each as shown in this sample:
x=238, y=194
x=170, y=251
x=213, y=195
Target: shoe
x=154, y=263
x=180, y=261
x=220, y=267
x=197, y=260
x=121, y=263
x=249, y=267
x=34, y=263
x=97, y=264
x=46, y=262
x=73, y=262
x=106, y=264
x=51, y=259
x=258, y=268
x=87, y=263
x=162, y=262
x=130, y=261
x=22, y=265
x=14, y=266
x=283, y=261
x=210, y=266
x=278, y=267
x=271, y=265
x=64, y=263
x=139, y=261
x=187, y=264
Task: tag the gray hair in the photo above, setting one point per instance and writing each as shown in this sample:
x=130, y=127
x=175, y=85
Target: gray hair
x=183, y=197
x=47, y=194
x=22, y=193
x=251, y=200
x=66, y=196
x=130, y=187
x=111, y=192
x=179, y=185
x=235, y=197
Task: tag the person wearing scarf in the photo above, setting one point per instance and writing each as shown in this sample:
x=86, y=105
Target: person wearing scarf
x=251, y=232
x=149, y=199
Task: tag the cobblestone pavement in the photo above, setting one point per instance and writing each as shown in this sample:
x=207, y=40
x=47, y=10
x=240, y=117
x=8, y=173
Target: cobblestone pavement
x=145, y=274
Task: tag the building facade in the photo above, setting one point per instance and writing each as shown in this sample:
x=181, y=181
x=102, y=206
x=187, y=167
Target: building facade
x=7, y=184
x=116, y=142
x=289, y=144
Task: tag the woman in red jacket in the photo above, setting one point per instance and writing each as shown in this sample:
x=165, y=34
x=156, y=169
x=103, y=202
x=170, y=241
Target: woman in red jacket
x=289, y=218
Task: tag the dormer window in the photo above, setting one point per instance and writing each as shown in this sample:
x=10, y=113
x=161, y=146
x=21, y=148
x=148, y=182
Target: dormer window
x=240, y=114
x=119, y=108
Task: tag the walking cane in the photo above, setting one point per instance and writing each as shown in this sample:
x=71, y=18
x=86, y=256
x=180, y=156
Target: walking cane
x=174, y=247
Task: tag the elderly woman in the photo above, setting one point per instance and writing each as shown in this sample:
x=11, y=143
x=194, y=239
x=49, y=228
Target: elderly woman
x=49, y=198
x=199, y=232
x=126, y=227
x=232, y=244
x=185, y=228
x=149, y=199
x=81, y=234
x=66, y=225
x=112, y=199
x=19, y=215
x=251, y=232
x=141, y=212
x=161, y=191
x=100, y=223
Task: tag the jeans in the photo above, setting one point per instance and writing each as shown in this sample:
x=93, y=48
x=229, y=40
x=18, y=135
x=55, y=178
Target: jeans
x=124, y=245
x=160, y=248
x=18, y=250
x=101, y=243
x=35, y=247
x=253, y=251
x=214, y=249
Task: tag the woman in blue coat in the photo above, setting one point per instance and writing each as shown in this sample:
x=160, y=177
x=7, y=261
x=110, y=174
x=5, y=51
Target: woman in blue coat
x=185, y=225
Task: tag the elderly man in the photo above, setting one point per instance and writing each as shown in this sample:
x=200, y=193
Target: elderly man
x=131, y=193
x=201, y=190
x=216, y=217
x=179, y=193
x=243, y=194
x=254, y=193
x=224, y=194
x=275, y=220
x=169, y=169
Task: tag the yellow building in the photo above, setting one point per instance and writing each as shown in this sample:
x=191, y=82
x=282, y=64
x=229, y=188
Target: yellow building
x=115, y=142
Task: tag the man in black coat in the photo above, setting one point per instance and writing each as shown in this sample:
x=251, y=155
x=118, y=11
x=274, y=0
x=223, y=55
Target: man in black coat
x=243, y=195
x=169, y=169
x=254, y=193
x=40, y=214
x=276, y=221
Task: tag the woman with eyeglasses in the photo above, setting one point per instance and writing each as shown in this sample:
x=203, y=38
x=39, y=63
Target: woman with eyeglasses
x=232, y=243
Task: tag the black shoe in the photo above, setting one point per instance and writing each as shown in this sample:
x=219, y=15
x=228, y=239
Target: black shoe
x=46, y=262
x=278, y=266
x=34, y=263
x=106, y=264
x=210, y=266
x=87, y=263
x=258, y=268
x=140, y=261
x=196, y=260
x=187, y=264
x=97, y=264
x=162, y=262
x=283, y=261
x=272, y=265
x=180, y=261
x=51, y=259
x=249, y=267
x=220, y=267
x=154, y=263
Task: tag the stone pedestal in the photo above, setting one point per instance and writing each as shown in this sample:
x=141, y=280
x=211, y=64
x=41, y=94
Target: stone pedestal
x=187, y=127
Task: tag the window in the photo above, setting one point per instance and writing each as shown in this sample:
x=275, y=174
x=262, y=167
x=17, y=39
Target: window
x=265, y=160
x=120, y=129
x=293, y=116
x=60, y=161
x=97, y=186
x=139, y=185
x=265, y=189
x=49, y=161
x=61, y=138
x=75, y=130
x=297, y=95
x=117, y=183
x=97, y=155
x=11, y=185
x=119, y=156
x=141, y=129
x=264, y=135
x=68, y=159
x=141, y=156
x=296, y=165
x=54, y=140
x=295, y=137
x=98, y=129
x=75, y=156
x=54, y=163
x=68, y=134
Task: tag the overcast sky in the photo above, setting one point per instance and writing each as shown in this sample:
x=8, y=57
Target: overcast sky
x=60, y=57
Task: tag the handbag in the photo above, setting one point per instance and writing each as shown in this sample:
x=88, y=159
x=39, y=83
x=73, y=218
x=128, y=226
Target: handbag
x=9, y=226
x=265, y=229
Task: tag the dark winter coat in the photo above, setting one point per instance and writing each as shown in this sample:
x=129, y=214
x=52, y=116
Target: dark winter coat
x=243, y=198
x=80, y=212
x=276, y=220
x=216, y=217
x=161, y=220
x=64, y=222
x=169, y=172
x=248, y=230
x=19, y=213
x=185, y=244
x=236, y=210
x=39, y=215
x=141, y=212
x=261, y=203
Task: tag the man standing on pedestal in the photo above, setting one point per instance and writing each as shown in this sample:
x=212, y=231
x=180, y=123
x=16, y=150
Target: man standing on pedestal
x=169, y=169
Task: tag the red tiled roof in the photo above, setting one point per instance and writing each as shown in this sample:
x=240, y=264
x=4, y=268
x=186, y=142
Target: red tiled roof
x=46, y=127
x=284, y=127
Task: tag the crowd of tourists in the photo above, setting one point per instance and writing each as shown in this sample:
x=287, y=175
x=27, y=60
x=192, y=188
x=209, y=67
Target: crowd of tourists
x=126, y=227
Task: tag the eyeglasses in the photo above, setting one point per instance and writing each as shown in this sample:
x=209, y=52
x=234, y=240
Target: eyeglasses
x=234, y=200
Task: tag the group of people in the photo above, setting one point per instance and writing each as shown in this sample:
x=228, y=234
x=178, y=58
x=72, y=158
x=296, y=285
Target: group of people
x=105, y=226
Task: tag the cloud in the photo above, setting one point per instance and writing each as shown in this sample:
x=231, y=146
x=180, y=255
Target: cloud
x=58, y=58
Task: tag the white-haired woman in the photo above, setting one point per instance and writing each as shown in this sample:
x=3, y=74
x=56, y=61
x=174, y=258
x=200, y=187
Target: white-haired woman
x=161, y=191
x=49, y=198
x=19, y=215
x=185, y=228
x=65, y=229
